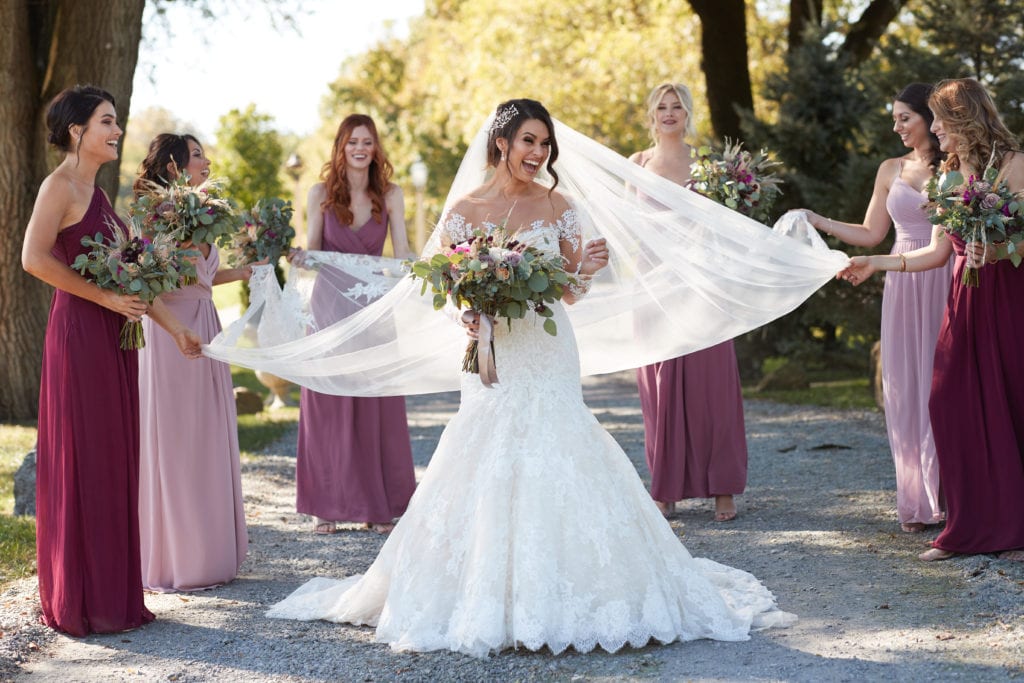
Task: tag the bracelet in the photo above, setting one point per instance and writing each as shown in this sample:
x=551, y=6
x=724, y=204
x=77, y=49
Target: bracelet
x=903, y=263
x=831, y=227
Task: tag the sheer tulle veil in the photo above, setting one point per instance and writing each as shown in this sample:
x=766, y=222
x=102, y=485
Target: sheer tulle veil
x=684, y=273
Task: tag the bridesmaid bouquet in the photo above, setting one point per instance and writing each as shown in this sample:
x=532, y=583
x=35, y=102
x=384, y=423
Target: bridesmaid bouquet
x=196, y=215
x=977, y=210
x=737, y=179
x=497, y=276
x=266, y=234
x=131, y=263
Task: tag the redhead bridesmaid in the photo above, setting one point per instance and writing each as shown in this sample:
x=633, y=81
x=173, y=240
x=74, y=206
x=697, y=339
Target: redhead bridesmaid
x=354, y=458
x=694, y=434
x=87, y=530
x=912, y=306
x=191, y=516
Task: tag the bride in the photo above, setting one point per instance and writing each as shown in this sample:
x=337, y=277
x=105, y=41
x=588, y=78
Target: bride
x=531, y=527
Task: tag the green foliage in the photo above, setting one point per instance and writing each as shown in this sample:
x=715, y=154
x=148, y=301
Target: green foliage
x=256, y=432
x=251, y=156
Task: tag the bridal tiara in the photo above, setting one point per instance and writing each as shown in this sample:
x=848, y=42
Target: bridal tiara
x=503, y=116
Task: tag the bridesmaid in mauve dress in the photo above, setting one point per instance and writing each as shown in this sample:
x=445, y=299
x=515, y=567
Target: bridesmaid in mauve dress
x=87, y=533
x=694, y=433
x=191, y=515
x=977, y=399
x=912, y=306
x=354, y=458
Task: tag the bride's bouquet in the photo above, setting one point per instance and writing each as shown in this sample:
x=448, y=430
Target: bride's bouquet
x=737, y=179
x=977, y=210
x=498, y=276
x=194, y=215
x=131, y=263
x=266, y=234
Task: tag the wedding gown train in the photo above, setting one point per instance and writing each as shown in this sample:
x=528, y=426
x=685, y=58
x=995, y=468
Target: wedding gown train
x=532, y=528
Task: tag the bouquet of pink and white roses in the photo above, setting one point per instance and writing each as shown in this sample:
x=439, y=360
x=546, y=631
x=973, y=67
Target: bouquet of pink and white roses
x=737, y=179
x=497, y=276
x=978, y=210
x=132, y=263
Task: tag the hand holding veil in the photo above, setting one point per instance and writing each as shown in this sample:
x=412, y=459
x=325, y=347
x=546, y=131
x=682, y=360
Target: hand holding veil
x=684, y=273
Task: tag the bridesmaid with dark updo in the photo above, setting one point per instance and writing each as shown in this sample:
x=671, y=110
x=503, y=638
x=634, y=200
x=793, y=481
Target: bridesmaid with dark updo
x=87, y=525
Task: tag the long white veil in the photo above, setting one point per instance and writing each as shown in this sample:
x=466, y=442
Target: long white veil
x=684, y=273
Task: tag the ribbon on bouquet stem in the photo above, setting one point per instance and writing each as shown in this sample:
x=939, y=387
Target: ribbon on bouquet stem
x=488, y=370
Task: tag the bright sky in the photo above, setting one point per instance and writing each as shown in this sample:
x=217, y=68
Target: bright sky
x=207, y=70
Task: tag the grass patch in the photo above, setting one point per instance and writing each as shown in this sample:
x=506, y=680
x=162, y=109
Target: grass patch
x=844, y=393
x=17, y=534
x=256, y=432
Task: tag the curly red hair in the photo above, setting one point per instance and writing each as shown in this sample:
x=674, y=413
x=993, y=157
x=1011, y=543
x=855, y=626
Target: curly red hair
x=339, y=194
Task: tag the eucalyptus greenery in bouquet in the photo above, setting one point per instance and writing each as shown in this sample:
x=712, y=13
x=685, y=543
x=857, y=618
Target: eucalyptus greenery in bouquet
x=132, y=263
x=495, y=275
x=978, y=210
x=266, y=233
x=738, y=179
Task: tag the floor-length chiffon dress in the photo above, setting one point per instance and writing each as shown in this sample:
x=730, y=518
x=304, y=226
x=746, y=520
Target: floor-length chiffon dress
x=354, y=457
x=977, y=410
x=191, y=513
x=913, y=305
x=87, y=479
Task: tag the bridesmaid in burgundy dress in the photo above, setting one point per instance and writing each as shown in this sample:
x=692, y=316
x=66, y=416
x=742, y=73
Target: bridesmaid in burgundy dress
x=694, y=433
x=354, y=458
x=87, y=529
x=977, y=400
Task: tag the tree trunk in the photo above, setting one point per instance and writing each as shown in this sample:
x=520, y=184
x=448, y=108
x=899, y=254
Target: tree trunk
x=47, y=45
x=724, y=62
x=801, y=14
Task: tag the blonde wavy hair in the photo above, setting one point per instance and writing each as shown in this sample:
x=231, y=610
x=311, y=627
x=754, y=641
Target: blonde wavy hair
x=967, y=112
x=685, y=98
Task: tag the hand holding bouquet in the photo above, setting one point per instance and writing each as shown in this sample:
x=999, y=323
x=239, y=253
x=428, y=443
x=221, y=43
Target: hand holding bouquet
x=977, y=210
x=131, y=263
x=737, y=179
x=266, y=234
x=498, y=276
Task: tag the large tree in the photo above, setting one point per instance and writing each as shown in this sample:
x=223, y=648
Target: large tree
x=48, y=45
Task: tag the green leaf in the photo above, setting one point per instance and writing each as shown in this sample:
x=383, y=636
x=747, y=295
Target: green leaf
x=538, y=282
x=135, y=285
x=550, y=327
x=439, y=300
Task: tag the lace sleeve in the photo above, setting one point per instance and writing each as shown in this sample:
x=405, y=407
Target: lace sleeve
x=570, y=237
x=454, y=228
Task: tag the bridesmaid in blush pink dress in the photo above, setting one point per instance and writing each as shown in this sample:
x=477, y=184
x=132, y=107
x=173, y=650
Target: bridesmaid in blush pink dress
x=912, y=306
x=191, y=517
x=87, y=528
x=694, y=435
x=354, y=458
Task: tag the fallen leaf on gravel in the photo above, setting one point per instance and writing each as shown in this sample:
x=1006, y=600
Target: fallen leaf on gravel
x=787, y=449
x=884, y=605
x=945, y=636
x=830, y=447
x=33, y=646
x=183, y=599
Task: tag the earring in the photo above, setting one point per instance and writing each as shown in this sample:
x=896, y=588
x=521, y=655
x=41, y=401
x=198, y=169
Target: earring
x=503, y=155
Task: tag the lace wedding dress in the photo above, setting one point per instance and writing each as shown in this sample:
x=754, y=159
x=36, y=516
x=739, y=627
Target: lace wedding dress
x=531, y=527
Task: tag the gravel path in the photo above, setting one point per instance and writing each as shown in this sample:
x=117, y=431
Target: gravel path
x=817, y=525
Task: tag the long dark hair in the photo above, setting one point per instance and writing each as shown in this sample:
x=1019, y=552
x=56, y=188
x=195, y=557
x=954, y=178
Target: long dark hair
x=339, y=194
x=166, y=148
x=915, y=96
x=73, y=106
x=508, y=119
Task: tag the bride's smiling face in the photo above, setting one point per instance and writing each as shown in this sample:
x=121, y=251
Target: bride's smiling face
x=529, y=150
